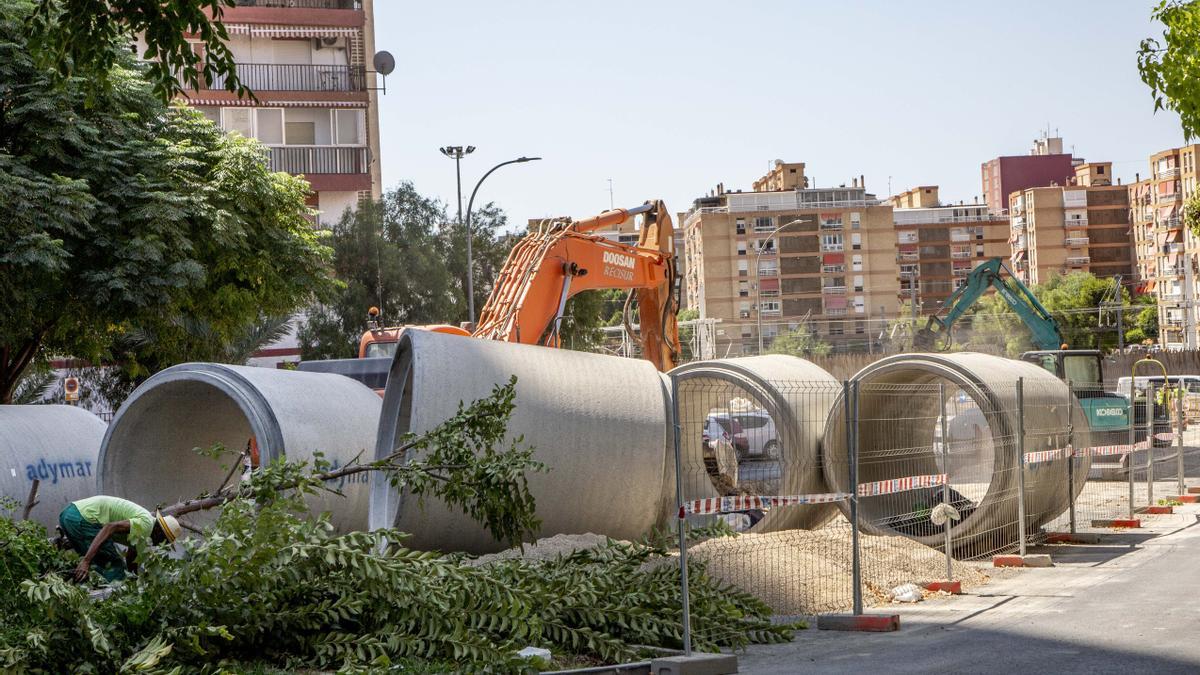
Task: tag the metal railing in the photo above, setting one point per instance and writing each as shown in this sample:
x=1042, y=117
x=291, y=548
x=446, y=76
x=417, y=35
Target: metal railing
x=961, y=271
x=1077, y=241
x=313, y=159
x=302, y=4
x=1169, y=173
x=1078, y=260
x=960, y=255
x=297, y=77
x=834, y=290
x=1075, y=222
x=833, y=248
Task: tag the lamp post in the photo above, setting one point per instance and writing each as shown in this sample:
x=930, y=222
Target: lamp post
x=758, y=283
x=456, y=153
x=470, y=264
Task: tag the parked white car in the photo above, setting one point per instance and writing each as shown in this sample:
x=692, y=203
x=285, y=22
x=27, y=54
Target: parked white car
x=762, y=441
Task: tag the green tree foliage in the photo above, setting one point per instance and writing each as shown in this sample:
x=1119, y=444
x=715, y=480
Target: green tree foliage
x=125, y=216
x=74, y=38
x=799, y=342
x=1144, y=320
x=268, y=588
x=403, y=255
x=1169, y=66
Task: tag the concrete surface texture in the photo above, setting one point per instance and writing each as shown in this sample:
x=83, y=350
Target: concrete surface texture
x=599, y=423
x=56, y=444
x=147, y=455
x=1125, y=605
x=898, y=425
x=796, y=394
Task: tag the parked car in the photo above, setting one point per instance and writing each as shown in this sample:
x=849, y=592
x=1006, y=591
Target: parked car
x=720, y=426
x=762, y=441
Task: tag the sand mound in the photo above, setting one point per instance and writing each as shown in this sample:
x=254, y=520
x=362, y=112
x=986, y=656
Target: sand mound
x=544, y=549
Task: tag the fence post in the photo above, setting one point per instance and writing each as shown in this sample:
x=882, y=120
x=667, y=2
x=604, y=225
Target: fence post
x=683, y=568
x=1132, y=439
x=1179, y=442
x=850, y=397
x=946, y=470
x=1071, y=454
x=1150, y=445
x=1021, y=462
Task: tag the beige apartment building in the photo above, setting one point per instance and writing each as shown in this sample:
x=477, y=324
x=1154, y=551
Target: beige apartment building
x=938, y=244
x=786, y=255
x=1166, y=250
x=1083, y=226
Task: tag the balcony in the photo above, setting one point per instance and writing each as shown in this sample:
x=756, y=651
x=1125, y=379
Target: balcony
x=297, y=77
x=1169, y=223
x=302, y=4
x=1077, y=241
x=1169, y=173
x=1075, y=222
x=833, y=269
x=832, y=248
x=960, y=255
x=833, y=290
x=908, y=255
x=768, y=271
x=319, y=159
x=960, y=235
x=962, y=271
x=769, y=293
x=1078, y=261
x=1171, y=198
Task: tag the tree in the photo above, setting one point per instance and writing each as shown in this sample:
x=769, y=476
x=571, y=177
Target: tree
x=1170, y=68
x=75, y=38
x=799, y=342
x=126, y=216
x=389, y=254
x=1145, y=320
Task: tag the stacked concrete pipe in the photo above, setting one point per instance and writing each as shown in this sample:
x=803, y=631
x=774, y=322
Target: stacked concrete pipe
x=797, y=395
x=54, y=444
x=990, y=523
x=148, y=453
x=599, y=423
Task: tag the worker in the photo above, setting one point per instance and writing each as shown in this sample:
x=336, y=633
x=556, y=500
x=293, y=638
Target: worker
x=95, y=525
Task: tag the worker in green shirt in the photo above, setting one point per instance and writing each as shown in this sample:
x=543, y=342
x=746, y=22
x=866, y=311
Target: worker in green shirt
x=95, y=524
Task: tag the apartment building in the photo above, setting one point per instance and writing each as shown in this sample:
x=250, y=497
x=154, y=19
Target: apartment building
x=1045, y=165
x=1166, y=250
x=308, y=63
x=1083, y=225
x=938, y=245
x=786, y=255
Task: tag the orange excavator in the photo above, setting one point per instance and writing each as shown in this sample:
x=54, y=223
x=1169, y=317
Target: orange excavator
x=562, y=257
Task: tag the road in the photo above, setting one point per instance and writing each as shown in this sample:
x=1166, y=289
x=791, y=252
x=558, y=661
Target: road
x=1128, y=605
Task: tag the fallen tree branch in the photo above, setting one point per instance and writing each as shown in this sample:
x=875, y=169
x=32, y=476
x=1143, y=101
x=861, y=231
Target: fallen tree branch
x=31, y=501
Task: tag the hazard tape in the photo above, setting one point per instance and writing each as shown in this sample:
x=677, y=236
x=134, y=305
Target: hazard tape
x=1096, y=450
x=737, y=503
x=887, y=487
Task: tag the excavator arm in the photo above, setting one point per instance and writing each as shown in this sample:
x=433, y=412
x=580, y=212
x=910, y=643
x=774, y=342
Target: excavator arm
x=564, y=257
x=1046, y=334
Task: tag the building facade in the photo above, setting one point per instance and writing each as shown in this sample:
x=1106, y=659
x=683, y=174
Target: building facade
x=1081, y=226
x=1046, y=165
x=309, y=65
x=1166, y=250
x=938, y=245
x=788, y=257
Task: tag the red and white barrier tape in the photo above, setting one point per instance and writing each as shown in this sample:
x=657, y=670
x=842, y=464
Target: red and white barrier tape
x=1095, y=451
x=738, y=503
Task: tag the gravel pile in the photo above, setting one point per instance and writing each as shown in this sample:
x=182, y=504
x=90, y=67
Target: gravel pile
x=808, y=572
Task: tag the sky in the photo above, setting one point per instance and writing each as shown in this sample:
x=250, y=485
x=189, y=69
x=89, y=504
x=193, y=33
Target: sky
x=667, y=99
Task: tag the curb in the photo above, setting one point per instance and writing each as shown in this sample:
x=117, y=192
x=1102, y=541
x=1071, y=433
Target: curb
x=951, y=587
x=872, y=623
x=1030, y=560
x=1185, y=499
x=1068, y=538
x=1118, y=522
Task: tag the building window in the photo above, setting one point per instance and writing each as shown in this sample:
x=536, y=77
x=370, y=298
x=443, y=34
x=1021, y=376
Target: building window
x=743, y=268
x=741, y=248
x=855, y=220
x=740, y=225
x=743, y=289
x=858, y=283
x=856, y=241
x=831, y=242
x=856, y=262
x=764, y=224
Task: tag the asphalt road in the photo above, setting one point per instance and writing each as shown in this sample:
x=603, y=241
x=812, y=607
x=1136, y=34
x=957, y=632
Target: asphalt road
x=1128, y=605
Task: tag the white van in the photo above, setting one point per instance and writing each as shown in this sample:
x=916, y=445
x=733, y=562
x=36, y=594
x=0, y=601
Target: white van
x=1190, y=384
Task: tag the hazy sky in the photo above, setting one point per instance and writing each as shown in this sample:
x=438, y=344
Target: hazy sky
x=669, y=98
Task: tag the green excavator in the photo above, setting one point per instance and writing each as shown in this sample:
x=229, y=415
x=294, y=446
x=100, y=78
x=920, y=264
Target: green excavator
x=1107, y=413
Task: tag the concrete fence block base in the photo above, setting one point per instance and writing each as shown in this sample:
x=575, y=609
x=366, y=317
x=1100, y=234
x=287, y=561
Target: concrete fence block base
x=1068, y=538
x=951, y=587
x=870, y=623
x=1030, y=560
x=1156, y=510
x=699, y=663
x=1117, y=522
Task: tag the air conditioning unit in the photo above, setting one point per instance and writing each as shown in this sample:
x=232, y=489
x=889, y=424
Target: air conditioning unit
x=327, y=41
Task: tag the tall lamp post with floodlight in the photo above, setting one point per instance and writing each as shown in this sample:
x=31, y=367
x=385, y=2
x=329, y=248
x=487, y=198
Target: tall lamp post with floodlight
x=758, y=281
x=456, y=153
x=470, y=263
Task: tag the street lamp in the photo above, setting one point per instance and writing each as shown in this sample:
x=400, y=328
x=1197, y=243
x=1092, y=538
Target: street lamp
x=758, y=282
x=456, y=153
x=470, y=202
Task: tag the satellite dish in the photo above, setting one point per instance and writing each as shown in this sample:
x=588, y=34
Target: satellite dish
x=384, y=63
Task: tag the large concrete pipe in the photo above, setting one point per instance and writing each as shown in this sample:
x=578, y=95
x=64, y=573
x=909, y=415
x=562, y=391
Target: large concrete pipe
x=54, y=444
x=898, y=431
x=148, y=456
x=795, y=396
x=599, y=424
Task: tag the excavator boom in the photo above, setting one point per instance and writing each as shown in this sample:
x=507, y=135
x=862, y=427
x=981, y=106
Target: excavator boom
x=564, y=257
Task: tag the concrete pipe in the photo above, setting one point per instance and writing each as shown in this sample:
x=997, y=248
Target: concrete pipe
x=899, y=436
x=55, y=444
x=789, y=399
x=599, y=424
x=148, y=456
